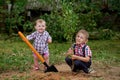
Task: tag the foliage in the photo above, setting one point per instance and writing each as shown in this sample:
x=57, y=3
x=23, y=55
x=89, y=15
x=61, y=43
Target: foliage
x=66, y=17
x=106, y=34
x=15, y=18
x=114, y=5
x=1, y=2
x=63, y=23
x=68, y=21
x=71, y=18
x=28, y=26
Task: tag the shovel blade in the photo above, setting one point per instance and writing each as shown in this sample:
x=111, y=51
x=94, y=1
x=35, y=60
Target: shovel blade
x=51, y=68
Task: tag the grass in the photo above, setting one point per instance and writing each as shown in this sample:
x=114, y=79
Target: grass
x=16, y=55
x=106, y=51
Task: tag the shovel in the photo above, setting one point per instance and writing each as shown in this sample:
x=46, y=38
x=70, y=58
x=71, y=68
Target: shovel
x=49, y=68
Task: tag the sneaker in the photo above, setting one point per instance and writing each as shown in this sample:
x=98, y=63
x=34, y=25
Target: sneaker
x=90, y=70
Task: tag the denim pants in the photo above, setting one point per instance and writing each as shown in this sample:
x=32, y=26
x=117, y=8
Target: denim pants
x=78, y=65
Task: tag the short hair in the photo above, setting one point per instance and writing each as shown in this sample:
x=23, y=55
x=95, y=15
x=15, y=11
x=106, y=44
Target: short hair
x=84, y=32
x=40, y=21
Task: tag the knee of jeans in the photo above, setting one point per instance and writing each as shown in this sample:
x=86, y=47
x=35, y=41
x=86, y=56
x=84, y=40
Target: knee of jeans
x=67, y=59
x=76, y=63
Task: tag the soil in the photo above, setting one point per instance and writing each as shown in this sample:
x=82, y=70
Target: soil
x=102, y=73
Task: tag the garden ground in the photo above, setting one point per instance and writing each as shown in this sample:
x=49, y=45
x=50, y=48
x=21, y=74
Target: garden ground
x=103, y=72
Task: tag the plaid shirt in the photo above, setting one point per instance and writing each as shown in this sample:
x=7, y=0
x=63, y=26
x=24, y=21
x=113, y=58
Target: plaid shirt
x=79, y=52
x=40, y=41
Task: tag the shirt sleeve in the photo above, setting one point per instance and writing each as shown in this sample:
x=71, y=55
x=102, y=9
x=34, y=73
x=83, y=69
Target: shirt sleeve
x=31, y=36
x=88, y=51
x=49, y=37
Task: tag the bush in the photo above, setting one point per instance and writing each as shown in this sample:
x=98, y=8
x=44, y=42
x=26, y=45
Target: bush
x=106, y=34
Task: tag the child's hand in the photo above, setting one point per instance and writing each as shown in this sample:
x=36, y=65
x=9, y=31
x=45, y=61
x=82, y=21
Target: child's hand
x=69, y=52
x=49, y=41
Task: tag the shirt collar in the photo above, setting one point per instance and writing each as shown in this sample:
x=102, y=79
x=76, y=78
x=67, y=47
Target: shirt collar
x=80, y=45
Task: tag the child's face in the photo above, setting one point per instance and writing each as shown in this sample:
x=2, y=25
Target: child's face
x=80, y=38
x=40, y=27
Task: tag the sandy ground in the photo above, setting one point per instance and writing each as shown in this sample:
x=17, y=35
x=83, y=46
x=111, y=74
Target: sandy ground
x=102, y=73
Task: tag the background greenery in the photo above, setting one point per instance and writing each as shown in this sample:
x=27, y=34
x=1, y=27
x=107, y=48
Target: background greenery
x=65, y=18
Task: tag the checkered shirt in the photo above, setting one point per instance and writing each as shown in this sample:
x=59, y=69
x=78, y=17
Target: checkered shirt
x=40, y=41
x=79, y=52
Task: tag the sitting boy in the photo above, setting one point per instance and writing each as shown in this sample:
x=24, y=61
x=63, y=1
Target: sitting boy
x=80, y=53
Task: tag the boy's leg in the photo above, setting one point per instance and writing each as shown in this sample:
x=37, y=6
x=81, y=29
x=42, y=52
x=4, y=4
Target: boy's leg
x=36, y=65
x=68, y=61
x=78, y=65
x=46, y=57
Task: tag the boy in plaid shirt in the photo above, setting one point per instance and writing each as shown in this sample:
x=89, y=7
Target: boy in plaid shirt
x=40, y=38
x=79, y=59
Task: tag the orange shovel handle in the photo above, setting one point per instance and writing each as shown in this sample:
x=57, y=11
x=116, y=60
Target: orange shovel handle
x=31, y=47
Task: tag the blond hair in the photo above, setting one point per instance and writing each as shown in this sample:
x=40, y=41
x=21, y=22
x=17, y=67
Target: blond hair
x=40, y=21
x=84, y=32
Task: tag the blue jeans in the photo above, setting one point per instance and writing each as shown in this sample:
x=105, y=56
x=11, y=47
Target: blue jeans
x=78, y=65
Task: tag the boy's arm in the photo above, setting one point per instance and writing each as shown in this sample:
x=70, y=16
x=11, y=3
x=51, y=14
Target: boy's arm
x=31, y=36
x=84, y=59
x=49, y=38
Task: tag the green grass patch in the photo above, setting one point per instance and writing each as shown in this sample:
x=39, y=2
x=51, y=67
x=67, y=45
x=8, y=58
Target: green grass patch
x=106, y=51
x=16, y=55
